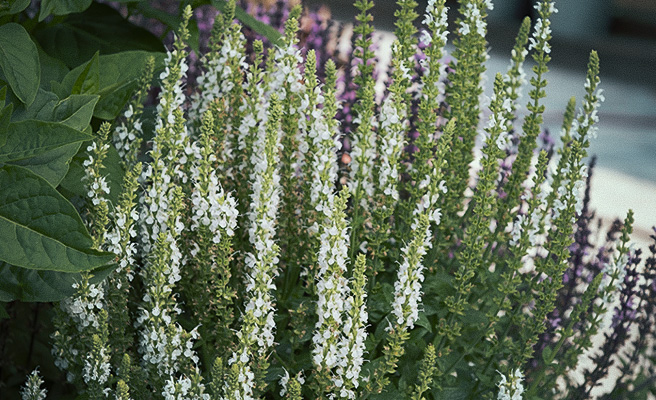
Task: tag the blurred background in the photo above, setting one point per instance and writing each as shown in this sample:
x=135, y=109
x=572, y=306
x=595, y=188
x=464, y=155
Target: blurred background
x=624, y=34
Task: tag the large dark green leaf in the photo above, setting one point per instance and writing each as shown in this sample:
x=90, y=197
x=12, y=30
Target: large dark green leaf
x=52, y=70
x=5, y=118
x=40, y=229
x=13, y=7
x=29, y=138
x=119, y=75
x=89, y=79
x=75, y=111
x=19, y=60
x=99, y=29
x=41, y=109
x=24, y=284
x=62, y=7
x=52, y=165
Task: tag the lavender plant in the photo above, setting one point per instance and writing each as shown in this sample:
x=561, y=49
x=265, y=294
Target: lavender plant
x=258, y=273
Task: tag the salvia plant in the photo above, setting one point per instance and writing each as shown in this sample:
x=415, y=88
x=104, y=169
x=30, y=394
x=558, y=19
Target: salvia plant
x=251, y=264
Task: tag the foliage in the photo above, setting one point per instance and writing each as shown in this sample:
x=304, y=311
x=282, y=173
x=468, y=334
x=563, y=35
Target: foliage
x=236, y=263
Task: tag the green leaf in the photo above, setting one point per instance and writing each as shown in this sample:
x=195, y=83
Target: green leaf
x=13, y=7
x=40, y=229
x=424, y=322
x=88, y=81
x=263, y=29
x=62, y=7
x=112, y=171
x=24, y=284
x=119, y=76
x=172, y=22
x=75, y=111
x=546, y=355
x=52, y=69
x=99, y=29
x=29, y=138
x=41, y=109
x=19, y=60
x=390, y=393
x=52, y=165
x=5, y=118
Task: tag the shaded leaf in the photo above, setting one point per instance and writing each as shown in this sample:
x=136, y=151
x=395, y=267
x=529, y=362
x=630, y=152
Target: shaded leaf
x=52, y=165
x=41, y=109
x=119, y=76
x=88, y=81
x=5, y=118
x=19, y=60
x=40, y=229
x=98, y=29
x=29, y=138
x=172, y=22
x=24, y=284
x=75, y=111
x=52, y=70
x=62, y=7
x=13, y=7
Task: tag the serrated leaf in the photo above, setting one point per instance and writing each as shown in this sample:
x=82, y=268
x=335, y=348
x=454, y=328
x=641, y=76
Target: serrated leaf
x=62, y=7
x=19, y=60
x=29, y=138
x=24, y=284
x=52, y=165
x=99, y=28
x=40, y=229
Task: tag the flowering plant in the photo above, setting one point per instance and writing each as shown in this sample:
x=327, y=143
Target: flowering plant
x=250, y=265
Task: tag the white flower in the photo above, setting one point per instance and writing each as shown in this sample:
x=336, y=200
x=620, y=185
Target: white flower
x=391, y=142
x=407, y=288
x=511, y=388
x=32, y=389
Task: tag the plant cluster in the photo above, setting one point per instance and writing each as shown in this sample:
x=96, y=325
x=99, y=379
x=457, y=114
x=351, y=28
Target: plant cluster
x=234, y=261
